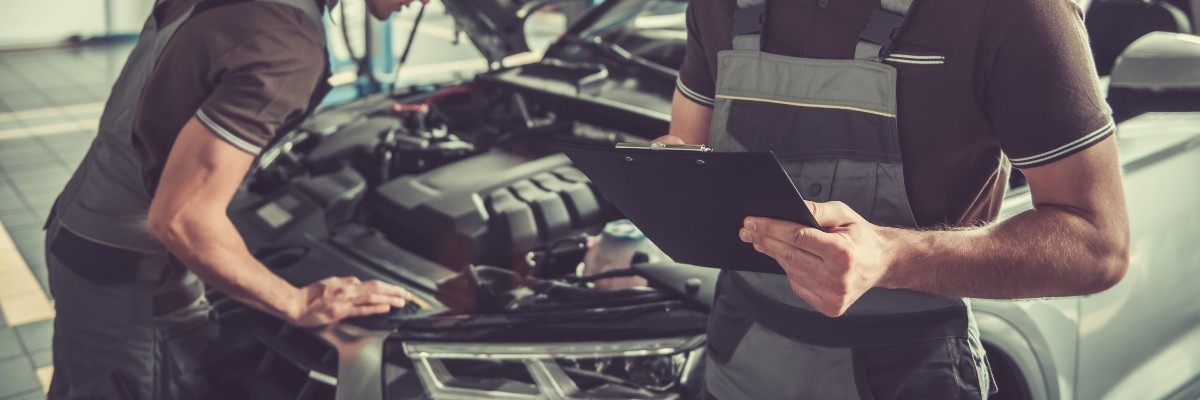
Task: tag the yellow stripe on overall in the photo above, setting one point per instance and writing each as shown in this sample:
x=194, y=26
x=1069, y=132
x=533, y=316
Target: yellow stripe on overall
x=789, y=103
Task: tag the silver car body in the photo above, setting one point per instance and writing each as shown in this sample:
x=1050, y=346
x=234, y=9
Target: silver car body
x=1140, y=339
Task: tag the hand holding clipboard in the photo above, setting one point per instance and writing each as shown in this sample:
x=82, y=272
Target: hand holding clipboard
x=691, y=201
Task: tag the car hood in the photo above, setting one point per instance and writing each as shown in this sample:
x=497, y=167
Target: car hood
x=496, y=27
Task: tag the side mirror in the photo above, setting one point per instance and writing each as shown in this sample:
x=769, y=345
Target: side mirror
x=1160, y=72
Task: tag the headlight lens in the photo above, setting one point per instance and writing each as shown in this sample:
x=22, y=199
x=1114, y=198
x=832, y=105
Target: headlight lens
x=638, y=369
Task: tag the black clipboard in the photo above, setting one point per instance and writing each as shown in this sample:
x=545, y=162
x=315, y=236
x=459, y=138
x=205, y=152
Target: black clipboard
x=692, y=203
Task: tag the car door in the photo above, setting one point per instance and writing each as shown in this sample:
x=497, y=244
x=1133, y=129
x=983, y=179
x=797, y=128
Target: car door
x=1141, y=339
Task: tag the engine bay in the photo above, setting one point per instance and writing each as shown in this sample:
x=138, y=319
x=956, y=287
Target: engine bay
x=458, y=192
x=449, y=185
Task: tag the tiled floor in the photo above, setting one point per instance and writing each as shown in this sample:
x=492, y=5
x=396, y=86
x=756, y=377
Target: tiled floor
x=50, y=104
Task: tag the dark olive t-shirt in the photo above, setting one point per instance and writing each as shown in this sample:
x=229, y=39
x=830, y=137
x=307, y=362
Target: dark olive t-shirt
x=980, y=83
x=244, y=70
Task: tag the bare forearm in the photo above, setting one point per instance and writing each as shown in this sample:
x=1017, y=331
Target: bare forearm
x=188, y=216
x=1048, y=252
x=689, y=120
x=213, y=249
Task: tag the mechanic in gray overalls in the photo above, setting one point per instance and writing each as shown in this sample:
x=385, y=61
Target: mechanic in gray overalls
x=865, y=105
x=209, y=83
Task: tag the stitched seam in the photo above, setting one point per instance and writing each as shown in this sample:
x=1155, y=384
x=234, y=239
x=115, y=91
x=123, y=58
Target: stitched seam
x=808, y=105
x=916, y=57
x=874, y=106
x=978, y=378
x=917, y=62
x=1066, y=149
x=810, y=63
x=221, y=132
x=954, y=362
x=692, y=94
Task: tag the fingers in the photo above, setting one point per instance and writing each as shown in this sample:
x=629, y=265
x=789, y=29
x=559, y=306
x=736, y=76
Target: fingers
x=809, y=239
x=338, y=298
x=381, y=287
x=351, y=290
x=378, y=299
x=812, y=206
x=834, y=214
x=360, y=311
x=335, y=282
x=782, y=252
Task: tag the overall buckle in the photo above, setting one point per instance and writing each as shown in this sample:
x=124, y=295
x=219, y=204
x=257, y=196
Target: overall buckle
x=882, y=27
x=749, y=20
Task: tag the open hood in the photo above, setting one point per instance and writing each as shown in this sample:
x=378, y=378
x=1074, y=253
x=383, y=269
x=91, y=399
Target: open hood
x=497, y=27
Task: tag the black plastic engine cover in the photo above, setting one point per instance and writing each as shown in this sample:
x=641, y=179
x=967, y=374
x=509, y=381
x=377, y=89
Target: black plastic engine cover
x=308, y=206
x=490, y=209
x=353, y=144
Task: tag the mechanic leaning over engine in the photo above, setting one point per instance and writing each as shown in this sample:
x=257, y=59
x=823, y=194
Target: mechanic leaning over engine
x=899, y=121
x=208, y=85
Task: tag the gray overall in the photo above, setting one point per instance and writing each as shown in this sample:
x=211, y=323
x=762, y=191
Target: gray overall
x=131, y=323
x=832, y=124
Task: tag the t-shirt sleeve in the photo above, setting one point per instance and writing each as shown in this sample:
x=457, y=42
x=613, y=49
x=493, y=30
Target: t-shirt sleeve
x=1042, y=94
x=261, y=85
x=695, y=75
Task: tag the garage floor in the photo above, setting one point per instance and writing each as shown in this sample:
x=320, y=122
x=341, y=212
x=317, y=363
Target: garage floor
x=50, y=105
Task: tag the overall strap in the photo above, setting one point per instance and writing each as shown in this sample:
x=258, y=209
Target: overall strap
x=873, y=42
x=748, y=21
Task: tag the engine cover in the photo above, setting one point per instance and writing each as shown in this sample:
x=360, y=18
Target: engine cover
x=490, y=209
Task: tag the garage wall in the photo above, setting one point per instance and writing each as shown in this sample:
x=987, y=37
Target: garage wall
x=27, y=23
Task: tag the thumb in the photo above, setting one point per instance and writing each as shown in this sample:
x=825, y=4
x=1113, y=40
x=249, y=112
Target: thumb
x=668, y=139
x=833, y=214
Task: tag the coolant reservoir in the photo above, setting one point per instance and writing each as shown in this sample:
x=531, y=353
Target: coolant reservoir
x=614, y=249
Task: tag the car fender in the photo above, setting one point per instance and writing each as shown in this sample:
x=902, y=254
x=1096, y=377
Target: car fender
x=1039, y=337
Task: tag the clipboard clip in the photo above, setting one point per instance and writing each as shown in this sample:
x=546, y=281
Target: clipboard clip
x=663, y=146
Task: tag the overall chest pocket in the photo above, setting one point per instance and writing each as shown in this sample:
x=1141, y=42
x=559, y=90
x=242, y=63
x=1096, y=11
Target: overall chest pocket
x=812, y=130
x=830, y=152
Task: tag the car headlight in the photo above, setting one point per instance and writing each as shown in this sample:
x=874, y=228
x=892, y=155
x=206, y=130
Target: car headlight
x=635, y=369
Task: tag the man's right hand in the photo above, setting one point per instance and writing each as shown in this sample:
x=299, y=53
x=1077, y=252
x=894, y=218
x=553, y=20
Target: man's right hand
x=337, y=298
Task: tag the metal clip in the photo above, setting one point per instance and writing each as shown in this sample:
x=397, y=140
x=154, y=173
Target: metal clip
x=664, y=146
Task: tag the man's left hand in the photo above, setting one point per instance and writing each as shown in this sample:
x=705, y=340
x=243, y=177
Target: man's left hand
x=830, y=268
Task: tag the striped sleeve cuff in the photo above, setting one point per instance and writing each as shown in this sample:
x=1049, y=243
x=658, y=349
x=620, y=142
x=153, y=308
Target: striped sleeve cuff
x=226, y=135
x=1067, y=149
x=693, y=95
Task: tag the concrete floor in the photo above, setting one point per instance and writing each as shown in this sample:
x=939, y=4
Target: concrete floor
x=50, y=105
